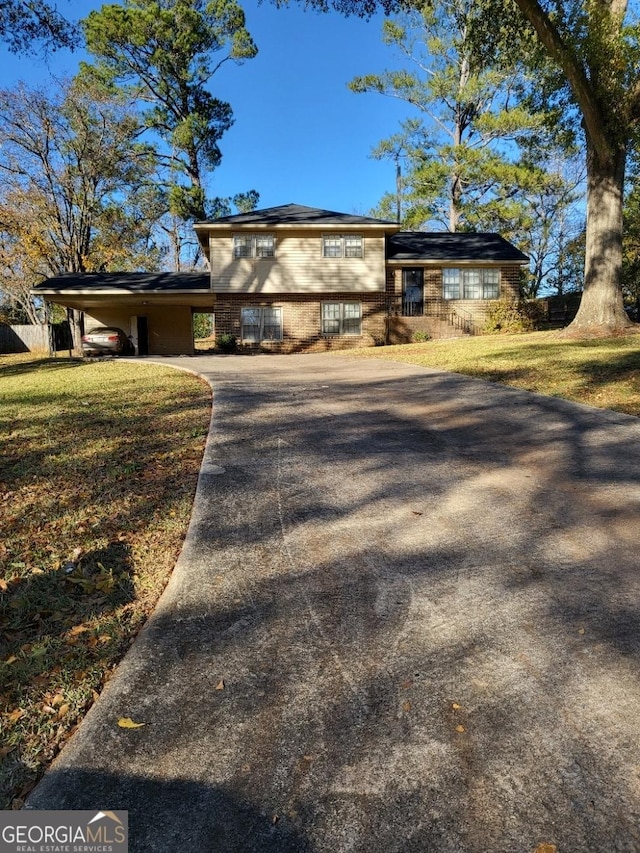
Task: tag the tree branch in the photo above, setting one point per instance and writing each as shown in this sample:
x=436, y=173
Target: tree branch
x=561, y=52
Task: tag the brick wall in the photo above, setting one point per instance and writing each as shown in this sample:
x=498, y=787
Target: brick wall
x=401, y=329
x=510, y=278
x=301, y=317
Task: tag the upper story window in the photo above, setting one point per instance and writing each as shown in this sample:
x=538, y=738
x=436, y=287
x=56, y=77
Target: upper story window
x=481, y=283
x=342, y=246
x=254, y=246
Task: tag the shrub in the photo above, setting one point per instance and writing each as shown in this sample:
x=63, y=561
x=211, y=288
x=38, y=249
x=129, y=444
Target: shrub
x=506, y=316
x=227, y=343
x=420, y=337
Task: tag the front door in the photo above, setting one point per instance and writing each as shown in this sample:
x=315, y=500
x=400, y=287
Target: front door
x=143, y=336
x=412, y=292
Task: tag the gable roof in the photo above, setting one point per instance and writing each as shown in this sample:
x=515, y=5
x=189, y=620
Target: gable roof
x=296, y=214
x=129, y=282
x=452, y=246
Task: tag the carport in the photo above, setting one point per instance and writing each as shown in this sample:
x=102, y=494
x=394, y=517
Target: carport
x=155, y=309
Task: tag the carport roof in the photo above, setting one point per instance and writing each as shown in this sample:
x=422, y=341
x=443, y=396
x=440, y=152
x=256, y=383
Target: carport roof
x=125, y=282
x=447, y=247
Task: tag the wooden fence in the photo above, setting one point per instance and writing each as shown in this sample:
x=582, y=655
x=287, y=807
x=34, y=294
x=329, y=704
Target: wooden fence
x=43, y=338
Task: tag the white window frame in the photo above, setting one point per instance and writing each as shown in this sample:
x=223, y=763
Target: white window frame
x=337, y=319
x=268, y=318
x=342, y=246
x=253, y=246
x=490, y=283
x=471, y=283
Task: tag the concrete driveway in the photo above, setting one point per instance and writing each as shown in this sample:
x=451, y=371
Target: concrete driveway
x=406, y=619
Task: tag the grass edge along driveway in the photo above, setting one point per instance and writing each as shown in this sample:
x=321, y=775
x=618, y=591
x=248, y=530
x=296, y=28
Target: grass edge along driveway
x=100, y=462
x=604, y=373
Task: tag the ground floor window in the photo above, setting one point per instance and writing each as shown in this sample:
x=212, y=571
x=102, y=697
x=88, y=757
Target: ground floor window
x=470, y=283
x=341, y=318
x=261, y=324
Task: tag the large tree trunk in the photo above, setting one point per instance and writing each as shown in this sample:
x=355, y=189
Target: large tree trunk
x=601, y=311
x=75, y=326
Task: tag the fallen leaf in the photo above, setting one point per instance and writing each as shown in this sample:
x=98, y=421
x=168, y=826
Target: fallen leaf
x=415, y=512
x=580, y=630
x=63, y=710
x=460, y=729
x=128, y=723
x=220, y=684
x=78, y=629
x=545, y=848
x=4, y=586
x=406, y=706
x=455, y=706
x=14, y=716
x=5, y=751
x=11, y=659
x=58, y=699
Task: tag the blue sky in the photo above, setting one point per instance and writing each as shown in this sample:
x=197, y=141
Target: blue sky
x=299, y=135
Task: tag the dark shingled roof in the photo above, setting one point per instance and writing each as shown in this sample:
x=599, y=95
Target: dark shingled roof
x=133, y=282
x=295, y=214
x=447, y=246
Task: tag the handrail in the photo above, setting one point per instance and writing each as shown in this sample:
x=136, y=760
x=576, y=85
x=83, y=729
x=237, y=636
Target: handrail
x=459, y=318
x=463, y=319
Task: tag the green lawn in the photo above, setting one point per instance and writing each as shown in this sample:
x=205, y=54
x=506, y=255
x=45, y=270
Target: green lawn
x=603, y=372
x=99, y=468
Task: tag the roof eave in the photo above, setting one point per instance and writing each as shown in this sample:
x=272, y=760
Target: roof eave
x=118, y=291
x=438, y=262
x=207, y=227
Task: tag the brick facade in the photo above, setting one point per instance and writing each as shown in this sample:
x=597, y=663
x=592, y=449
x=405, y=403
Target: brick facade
x=442, y=317
x=301, y=317
x=382, y=320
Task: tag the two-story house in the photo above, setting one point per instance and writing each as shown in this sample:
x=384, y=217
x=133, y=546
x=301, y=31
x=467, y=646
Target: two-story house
x=295, y=278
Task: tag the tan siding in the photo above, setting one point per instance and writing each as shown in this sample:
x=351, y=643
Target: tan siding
x=170, y=332
x=298, y=266
x=170, y=329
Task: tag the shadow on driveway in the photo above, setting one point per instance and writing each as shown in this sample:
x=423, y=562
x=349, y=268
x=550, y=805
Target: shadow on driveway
x=405, y=619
